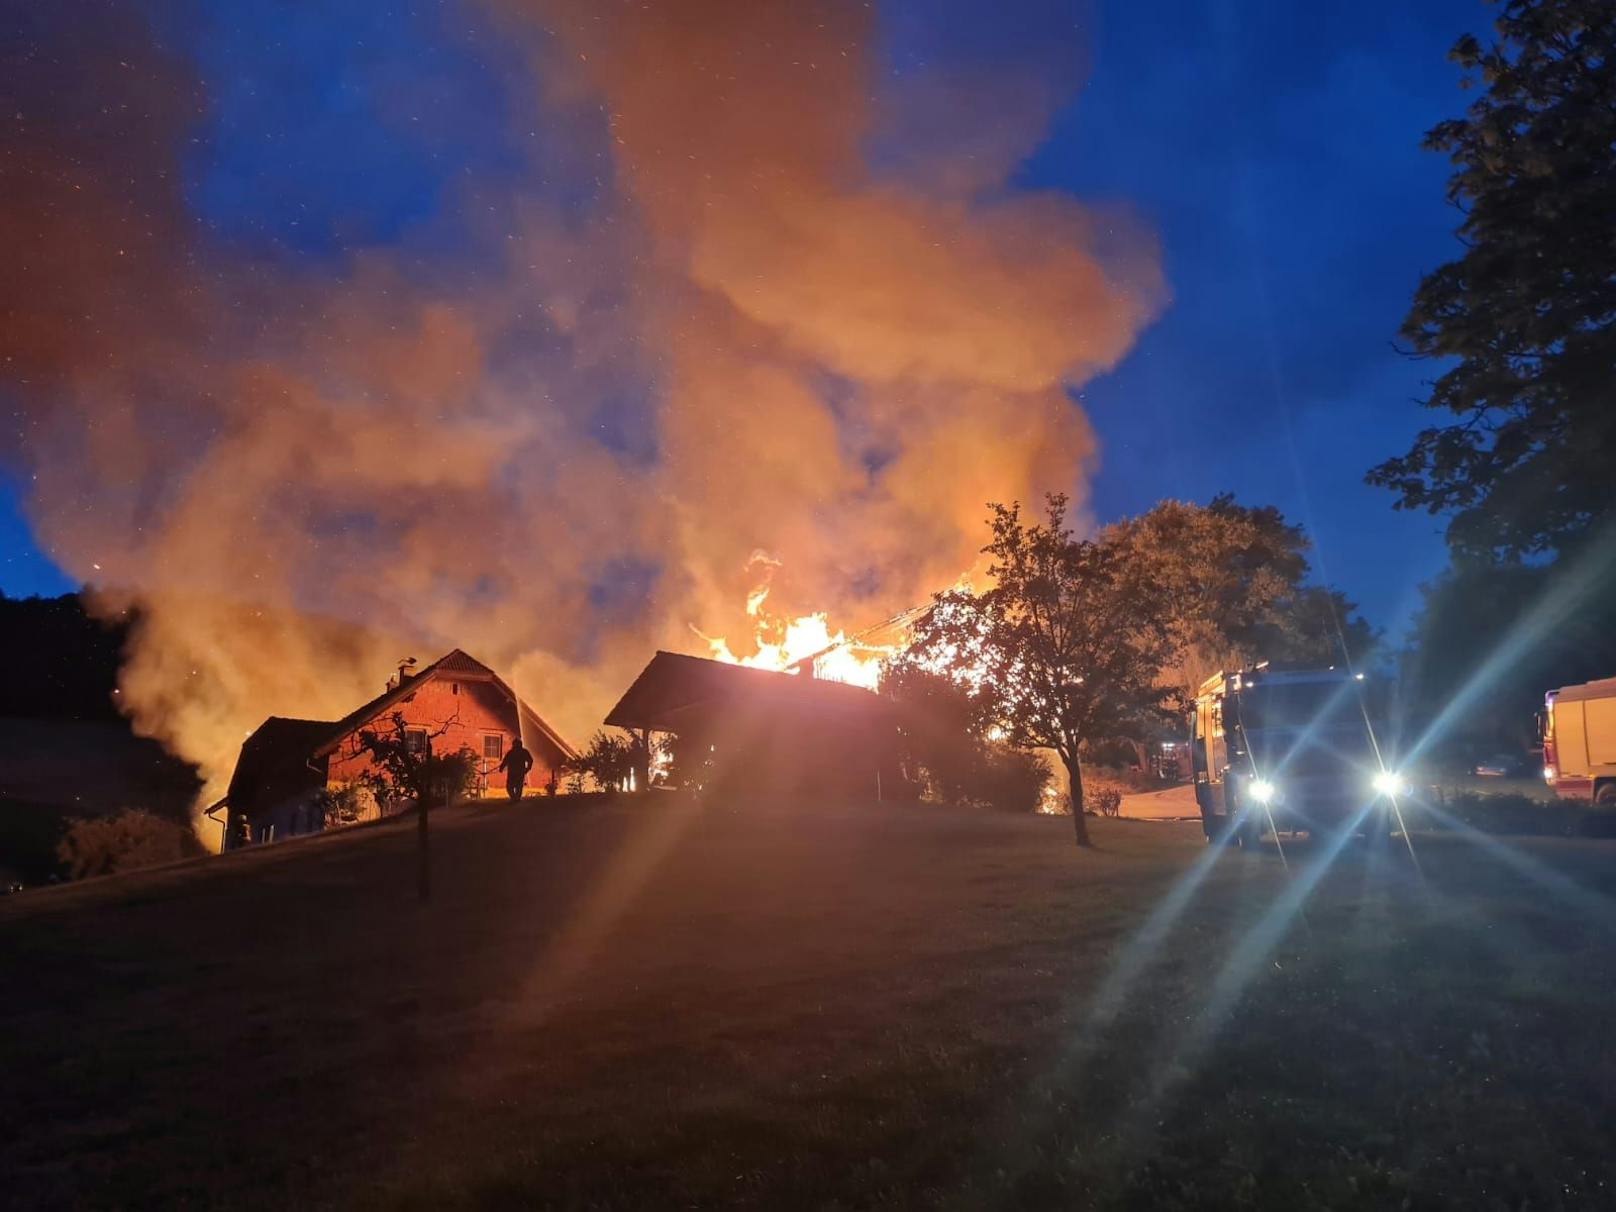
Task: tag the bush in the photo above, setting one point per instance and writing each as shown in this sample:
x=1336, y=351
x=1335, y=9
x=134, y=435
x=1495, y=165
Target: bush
x=1012, y=780
x=131, y=839
x=1101, y=799
x=343, y=805
x=1511, y=814
x=988, y=775
x=1508, y=813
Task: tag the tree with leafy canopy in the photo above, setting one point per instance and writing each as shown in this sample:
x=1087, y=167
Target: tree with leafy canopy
x=1490, y=639
x=1066, y=645
x=403, y=767
x=1235, y=576
x=1525, y=320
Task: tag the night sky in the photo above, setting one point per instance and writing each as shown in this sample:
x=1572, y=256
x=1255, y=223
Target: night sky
x=1273, y=147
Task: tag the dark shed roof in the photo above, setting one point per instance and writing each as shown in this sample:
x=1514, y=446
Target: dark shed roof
x=673, y=686
x=276, y=757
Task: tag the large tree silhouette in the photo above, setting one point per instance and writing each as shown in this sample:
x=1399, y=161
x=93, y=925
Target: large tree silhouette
x=1525, y=320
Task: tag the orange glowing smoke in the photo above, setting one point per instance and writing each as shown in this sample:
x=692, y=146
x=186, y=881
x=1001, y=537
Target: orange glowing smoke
x=838, y=329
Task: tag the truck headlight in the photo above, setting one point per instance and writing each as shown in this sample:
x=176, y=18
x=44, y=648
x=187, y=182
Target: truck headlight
x=1548, y=774
x=1263, y=791
x=1389, y=782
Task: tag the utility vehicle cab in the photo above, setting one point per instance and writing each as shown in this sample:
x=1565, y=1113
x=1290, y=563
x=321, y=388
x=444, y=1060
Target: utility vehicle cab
x=1288, y=749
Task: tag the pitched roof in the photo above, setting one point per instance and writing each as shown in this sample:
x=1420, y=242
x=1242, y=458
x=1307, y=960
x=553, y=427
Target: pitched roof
x=396, y=694
x=673, y=684
x=279, y=744
x=461, y=665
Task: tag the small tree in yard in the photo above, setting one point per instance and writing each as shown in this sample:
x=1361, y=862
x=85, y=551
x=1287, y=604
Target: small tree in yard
x=1066, y=646
x=609, y=760
x=404, y=767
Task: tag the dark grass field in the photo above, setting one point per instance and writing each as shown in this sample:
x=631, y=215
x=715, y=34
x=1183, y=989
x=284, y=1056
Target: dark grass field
x=651, y=1006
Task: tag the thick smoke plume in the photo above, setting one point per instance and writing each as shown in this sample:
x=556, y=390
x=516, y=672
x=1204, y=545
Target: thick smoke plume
x=758, y=287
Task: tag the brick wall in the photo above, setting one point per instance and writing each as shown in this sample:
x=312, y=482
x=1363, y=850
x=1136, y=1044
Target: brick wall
x=475, y=712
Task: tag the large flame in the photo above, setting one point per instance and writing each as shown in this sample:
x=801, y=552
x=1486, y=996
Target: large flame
x=805, y=643
x=834, y=657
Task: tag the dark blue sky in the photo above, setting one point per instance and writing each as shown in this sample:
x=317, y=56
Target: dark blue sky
x=1273, y=147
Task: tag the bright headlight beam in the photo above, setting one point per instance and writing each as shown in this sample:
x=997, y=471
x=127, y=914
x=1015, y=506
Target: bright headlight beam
x=1263, y=791
x=1389, y=782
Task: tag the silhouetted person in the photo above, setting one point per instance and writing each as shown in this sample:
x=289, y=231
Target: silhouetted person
x=516, y=763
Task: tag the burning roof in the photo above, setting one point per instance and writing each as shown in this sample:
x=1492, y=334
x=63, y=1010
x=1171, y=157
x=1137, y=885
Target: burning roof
x=675, y=689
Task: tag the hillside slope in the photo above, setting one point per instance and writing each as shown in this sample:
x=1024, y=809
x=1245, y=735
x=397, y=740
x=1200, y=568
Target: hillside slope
x=646, y=1005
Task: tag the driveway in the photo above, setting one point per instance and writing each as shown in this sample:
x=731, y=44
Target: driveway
x=1173, y=804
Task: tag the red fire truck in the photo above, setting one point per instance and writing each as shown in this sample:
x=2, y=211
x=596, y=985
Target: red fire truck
x=1578, y=726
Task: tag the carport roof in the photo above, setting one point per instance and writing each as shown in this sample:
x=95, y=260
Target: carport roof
x=673, y=684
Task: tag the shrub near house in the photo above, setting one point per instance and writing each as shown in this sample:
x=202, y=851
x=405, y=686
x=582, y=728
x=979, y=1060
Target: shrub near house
x=130, y=840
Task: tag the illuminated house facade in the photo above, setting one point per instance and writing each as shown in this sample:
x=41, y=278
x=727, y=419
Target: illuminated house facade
x=457, y=701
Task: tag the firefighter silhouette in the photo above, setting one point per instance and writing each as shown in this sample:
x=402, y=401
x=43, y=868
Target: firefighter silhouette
x=516, y=763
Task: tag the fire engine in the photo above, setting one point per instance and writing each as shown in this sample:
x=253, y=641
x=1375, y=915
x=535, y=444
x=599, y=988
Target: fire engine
x=1579, y=741
x=1288, y=750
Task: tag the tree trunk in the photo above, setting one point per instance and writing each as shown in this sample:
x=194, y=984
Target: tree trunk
x=1080, y=824
x=423, y=869
x=642, y=761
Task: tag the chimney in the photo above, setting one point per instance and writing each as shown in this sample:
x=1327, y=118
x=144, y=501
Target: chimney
x=403, y=675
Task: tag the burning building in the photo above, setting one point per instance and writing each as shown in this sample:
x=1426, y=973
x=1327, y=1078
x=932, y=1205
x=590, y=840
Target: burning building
x=692, y=282
x=457, y=701
x=743, y=728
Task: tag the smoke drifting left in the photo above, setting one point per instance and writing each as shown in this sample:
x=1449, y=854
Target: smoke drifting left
x=758, y=291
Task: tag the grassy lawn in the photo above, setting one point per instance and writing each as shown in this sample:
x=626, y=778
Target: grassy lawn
x=647, y=1006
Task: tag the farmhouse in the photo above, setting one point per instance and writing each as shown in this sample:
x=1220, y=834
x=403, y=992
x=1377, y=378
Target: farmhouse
x=456, y=701
x=755, y=728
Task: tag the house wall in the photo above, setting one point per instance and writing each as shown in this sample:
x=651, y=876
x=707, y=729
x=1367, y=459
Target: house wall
x=846, y=754
x=473, y=711
x=289, y=817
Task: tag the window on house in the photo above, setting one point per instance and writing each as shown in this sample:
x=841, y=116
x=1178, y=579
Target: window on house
x=415, y=740
x=494, y=747
x=454, y=687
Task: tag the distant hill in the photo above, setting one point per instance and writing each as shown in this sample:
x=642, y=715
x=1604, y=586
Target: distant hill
x=59, y=662
x=64, y=750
